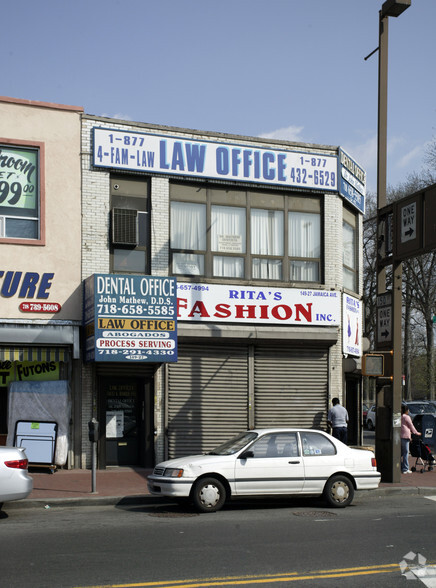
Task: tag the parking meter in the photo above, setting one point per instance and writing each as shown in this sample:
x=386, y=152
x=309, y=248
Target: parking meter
x=93, y=430
x=93, y=437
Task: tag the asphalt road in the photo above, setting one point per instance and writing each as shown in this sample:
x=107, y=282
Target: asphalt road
x=253, y=543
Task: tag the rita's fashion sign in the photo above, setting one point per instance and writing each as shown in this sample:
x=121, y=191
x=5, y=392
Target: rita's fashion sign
x=237, y=304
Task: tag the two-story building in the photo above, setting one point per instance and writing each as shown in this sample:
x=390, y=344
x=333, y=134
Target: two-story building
x=264, y=238
x=40, y=279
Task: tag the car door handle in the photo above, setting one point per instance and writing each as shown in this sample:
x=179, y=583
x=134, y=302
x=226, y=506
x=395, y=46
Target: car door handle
x=294, y=462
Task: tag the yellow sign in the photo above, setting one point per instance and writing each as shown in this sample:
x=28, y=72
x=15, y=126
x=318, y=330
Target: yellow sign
x=20, y=371
x=136, y=324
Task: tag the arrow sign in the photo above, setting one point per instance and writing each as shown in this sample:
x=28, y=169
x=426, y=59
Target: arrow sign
x=408, y=222
x=384, y=320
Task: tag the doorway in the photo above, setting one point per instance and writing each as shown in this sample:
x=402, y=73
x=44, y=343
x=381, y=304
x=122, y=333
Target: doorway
x=353, y=406
x=126, y=418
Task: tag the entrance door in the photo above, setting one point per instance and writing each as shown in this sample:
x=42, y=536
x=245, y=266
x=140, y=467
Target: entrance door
x=123, y=406
x=353, y=404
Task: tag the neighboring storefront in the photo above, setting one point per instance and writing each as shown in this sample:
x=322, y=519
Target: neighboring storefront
x=40, y=281
x=265, y=240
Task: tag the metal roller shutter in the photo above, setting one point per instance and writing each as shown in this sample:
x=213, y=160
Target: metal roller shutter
x=290, y=386
x=207, y=397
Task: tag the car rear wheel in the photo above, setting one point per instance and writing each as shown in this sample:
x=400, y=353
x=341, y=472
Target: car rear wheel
x=209, y=495
x=339, y=491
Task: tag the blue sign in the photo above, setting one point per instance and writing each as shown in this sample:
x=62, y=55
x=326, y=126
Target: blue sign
x=352, y=183
x=164, y=154
x=130, y=318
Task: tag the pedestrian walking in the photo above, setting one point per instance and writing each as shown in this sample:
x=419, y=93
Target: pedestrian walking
x=337, y=419
x=407, y=429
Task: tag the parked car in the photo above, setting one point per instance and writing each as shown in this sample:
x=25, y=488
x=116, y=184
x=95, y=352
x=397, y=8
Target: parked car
x=364, y=413
x=420, y=407
x=415, y=407
x=15, y=482
x=370, y=418
x=265, y=462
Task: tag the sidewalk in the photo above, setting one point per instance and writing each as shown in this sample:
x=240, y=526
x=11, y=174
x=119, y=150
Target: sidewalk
x=74, y=487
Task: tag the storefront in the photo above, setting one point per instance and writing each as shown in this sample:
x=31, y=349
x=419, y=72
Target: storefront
x=264, y=239
x=40, y=225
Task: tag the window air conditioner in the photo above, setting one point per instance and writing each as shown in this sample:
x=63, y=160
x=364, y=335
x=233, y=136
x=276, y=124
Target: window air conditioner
x=124, y=226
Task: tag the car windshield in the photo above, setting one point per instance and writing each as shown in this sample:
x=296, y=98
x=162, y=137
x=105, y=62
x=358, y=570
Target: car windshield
x=234, y=444
x=419, y=408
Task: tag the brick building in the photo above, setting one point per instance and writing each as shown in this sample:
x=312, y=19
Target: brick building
x=265, y=240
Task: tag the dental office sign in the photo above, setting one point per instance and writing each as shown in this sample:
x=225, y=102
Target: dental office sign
x=352, y=181
x=145, y=152
x=248, y=305
x=130, y=318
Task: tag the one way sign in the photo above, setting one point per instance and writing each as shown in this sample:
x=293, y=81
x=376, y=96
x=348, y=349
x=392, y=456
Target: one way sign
x=408, y=222
x=384, y=321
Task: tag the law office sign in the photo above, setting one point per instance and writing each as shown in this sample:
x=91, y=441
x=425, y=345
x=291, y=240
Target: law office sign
x=165, y=154
x=130, y=318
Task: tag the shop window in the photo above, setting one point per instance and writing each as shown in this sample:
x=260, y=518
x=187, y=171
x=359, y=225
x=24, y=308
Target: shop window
x=244, y=235
x=21, y=193
x=129, y=225
x=349, y=235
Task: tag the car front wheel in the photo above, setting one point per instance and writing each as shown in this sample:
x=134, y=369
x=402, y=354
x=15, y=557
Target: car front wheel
x=209, y=495
x=339, y=491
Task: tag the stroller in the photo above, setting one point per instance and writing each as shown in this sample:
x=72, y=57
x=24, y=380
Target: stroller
x=422, y=453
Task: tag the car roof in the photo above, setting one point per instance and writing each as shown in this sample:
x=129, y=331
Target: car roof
x=283, y=430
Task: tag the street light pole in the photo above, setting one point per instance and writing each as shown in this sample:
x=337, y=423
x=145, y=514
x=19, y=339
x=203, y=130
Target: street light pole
x=388, y=421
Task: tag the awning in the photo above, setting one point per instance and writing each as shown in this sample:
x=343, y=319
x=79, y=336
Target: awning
x=34, y=354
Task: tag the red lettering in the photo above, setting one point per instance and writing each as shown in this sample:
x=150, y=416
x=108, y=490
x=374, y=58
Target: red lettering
x=181, y=303
x=277, y=314
x=222, y=311
x=200, y=308
x=306, y=312
x=263, y=311
x=250, y=311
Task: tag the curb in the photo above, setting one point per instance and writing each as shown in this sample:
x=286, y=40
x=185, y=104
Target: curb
x=138, y=500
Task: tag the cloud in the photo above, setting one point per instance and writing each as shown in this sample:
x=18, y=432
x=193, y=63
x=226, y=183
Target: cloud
x=119, y=116
x=364, y=153
x=291, y=133
x=410, y=158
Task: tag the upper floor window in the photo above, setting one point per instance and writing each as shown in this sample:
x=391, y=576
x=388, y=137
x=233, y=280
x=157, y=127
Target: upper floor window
x=130, y=232
x=349, y=237
x=20, y=197
x=245, y=235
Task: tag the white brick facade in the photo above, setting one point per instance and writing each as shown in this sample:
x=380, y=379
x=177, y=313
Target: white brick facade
x=96, y=259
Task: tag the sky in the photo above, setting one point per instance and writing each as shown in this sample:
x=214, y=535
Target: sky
x=285, y=69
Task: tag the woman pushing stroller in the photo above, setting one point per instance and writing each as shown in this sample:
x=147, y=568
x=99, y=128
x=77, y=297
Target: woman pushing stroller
x=407, y=429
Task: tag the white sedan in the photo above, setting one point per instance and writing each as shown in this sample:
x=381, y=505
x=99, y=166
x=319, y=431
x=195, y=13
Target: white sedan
x=268, y=462
x=15, y=482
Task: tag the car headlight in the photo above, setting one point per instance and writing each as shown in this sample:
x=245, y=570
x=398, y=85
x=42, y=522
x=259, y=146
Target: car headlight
x=173, y=473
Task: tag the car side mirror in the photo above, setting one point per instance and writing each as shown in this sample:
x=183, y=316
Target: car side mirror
x=246, y=454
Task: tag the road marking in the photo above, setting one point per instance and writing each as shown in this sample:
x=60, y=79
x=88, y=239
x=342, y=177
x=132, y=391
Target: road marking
x=250, y=580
